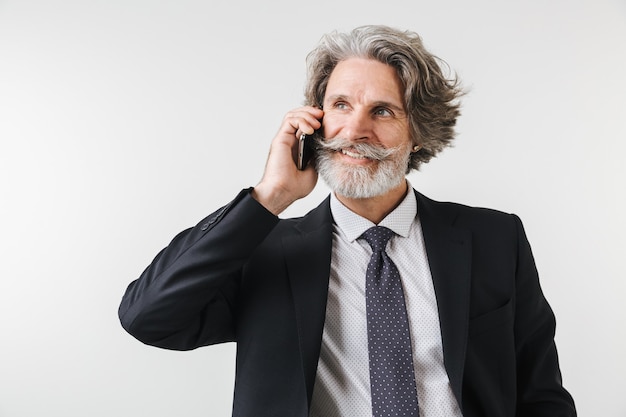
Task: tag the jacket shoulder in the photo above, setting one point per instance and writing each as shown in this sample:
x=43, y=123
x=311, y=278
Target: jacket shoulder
x=462, y=215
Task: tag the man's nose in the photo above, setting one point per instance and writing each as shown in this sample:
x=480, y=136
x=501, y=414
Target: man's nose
x=358, y=126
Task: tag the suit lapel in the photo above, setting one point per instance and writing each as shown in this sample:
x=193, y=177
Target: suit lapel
x=449, y=256
x=307, y=255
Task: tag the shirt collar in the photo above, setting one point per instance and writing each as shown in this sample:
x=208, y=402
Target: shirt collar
x=353, y=225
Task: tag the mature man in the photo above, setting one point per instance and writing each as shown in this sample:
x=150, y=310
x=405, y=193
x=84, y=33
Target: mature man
x=379, y=302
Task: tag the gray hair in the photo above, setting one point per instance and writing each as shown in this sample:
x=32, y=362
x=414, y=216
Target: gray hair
x=430, y=97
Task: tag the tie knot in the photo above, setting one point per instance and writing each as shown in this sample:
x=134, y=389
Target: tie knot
x=377, y=237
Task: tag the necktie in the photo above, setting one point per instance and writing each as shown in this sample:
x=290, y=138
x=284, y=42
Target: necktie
x=392, y=377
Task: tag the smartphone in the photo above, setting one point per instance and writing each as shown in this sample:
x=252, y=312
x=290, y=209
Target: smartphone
x=306, y=148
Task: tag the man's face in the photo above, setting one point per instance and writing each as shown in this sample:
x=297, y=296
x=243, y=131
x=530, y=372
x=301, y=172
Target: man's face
x=367, y=144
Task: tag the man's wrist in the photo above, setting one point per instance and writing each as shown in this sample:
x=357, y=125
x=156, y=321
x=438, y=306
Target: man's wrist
x=272, y=199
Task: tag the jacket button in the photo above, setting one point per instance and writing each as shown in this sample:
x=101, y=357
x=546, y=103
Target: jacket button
x=204, y=226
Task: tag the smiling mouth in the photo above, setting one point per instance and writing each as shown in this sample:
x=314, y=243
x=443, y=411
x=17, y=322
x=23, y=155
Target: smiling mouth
x=352, y=154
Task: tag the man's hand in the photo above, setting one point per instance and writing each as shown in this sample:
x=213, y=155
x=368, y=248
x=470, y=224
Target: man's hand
x=282, y=182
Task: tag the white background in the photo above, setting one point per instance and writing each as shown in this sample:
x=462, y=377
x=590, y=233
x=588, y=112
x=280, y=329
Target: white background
x=124, y=122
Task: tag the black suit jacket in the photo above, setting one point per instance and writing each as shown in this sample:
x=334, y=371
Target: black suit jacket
x=244, y=275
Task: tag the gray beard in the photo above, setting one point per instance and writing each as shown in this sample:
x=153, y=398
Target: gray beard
x=353, y=181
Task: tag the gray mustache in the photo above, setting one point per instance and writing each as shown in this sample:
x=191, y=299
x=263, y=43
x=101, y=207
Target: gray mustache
x=368, y=150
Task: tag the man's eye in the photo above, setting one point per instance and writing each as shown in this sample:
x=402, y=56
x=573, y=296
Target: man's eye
x=383, y=112
x=341, y=105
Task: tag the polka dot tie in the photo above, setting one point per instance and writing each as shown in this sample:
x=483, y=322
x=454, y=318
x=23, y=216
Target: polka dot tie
x=392, y=377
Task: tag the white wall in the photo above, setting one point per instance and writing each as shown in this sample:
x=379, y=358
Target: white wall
x=123, y=122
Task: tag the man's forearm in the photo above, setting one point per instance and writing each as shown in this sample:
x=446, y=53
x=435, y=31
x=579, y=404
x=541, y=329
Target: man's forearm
x=184, y=297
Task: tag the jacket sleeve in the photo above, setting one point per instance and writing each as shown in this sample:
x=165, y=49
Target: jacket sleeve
x=186, y=297
x=539, y=385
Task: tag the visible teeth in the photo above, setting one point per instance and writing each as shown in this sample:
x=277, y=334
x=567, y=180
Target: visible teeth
x=352, y=154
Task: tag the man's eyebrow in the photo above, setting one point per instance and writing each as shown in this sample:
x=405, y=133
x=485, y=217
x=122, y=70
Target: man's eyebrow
x=392, y=106
x=338, y=97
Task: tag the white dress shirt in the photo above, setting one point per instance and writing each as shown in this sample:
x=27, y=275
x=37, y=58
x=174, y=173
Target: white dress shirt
x=342, y=385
